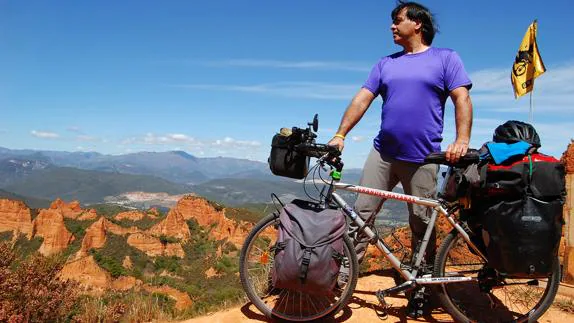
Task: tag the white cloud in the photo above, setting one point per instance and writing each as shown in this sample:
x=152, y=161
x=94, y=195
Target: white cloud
x=553, y=90
x=308, y=90
x=316, y=65
x=86, y=138
x=230, y=142
x=227, y=146
x=153, y=139
x=358, y=138
x=44, y=134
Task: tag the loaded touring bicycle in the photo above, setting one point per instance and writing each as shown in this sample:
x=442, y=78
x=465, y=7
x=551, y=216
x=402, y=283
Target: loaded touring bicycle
x=470, y=285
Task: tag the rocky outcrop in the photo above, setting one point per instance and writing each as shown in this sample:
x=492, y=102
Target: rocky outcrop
x=73, y=210
x=182, y=300
x=130, y=215
x=86, y=271
x=15, y=216
x=90, y=214
x=95, y=236
x=124, y=283
x=206, y=215
x=49, y=224
x=173, y=225
x=568, y=158
x=568, y=245
x=153, y=213
x=127, y=263
x=154, y=247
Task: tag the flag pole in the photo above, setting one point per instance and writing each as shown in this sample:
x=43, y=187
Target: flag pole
x=531, y=116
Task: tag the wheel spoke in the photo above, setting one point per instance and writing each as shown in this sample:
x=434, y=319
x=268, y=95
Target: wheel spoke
x=513, y=299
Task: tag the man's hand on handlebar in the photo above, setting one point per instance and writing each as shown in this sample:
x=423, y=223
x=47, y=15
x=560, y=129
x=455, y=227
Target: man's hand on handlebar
x=456, y=150
x=337, y=142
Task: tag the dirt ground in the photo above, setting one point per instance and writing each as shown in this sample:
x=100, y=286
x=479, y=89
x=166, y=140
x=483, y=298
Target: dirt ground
x=364, y=307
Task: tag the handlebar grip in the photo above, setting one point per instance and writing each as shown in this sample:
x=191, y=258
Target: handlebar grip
x=317, y=150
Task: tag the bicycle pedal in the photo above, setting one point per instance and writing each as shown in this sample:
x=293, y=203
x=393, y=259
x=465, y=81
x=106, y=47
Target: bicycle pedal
x=381, y=298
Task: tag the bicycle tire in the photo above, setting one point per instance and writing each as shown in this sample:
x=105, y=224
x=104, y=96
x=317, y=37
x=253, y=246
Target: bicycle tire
x=255, y=263
x=515, y=300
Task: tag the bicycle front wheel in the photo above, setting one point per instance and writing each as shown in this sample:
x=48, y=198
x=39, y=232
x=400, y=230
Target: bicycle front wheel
x=491, y=298
x=256, y=262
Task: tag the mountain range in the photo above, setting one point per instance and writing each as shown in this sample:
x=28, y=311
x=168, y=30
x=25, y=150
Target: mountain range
x=91, y=177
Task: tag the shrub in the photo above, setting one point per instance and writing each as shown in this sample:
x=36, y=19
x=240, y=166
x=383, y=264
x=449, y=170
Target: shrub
x=30, y=289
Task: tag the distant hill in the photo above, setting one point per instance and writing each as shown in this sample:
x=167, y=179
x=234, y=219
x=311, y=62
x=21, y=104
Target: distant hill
x=32, y=202
x=175, y=166
x=88, y=186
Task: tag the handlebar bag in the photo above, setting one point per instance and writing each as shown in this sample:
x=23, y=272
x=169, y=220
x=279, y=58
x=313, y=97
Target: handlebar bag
x=284, y=160
x=309, y=248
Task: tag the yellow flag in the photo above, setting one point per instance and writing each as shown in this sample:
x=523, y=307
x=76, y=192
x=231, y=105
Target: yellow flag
x=528, y=64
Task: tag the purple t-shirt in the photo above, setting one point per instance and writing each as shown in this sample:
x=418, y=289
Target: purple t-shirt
x=414, y=89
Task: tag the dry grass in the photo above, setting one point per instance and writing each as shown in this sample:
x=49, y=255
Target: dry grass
x=564, y=304
x=126, y=307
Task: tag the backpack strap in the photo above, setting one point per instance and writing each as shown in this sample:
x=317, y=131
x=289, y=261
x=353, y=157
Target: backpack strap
x=527, y=176
x=305, y=264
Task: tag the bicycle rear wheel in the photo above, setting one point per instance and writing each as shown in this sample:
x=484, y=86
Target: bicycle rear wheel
x=256, y=262
x=492, y=298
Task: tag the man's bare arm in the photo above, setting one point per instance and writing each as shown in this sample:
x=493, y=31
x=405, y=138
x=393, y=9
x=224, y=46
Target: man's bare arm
x=355, y=111
x=463, y=115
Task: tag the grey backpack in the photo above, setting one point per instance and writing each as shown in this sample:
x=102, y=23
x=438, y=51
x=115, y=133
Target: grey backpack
x=309, y=248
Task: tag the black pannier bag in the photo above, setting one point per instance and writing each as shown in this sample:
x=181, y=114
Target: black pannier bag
x=309, y=248
x=520, y=207
x=284, y=160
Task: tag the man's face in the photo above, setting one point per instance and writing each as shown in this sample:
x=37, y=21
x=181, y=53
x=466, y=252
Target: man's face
x=403, y=28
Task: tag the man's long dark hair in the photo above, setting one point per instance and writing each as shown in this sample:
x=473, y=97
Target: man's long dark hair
x=418, y=12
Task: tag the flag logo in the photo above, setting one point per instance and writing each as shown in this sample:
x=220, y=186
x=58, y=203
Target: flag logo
x=528, y=64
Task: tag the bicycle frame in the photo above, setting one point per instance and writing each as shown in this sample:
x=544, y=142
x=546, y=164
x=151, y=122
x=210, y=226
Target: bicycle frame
x=409, y=276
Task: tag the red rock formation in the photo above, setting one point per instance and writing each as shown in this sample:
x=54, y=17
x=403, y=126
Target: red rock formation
x=119, y=230
x=173, y=225
x=49, y=224
x=124, y=283
x=15, y=216
x=130, y=215
x=153, y=247
x=182, y=300
x=86, y=271
x=95, y=236
x=153, y=213
x=568, y=158
x=191, y=207
x=70, y=210
x=88, y=215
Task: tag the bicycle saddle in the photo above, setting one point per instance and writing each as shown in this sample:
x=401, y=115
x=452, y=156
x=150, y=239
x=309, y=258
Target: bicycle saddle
x=472, y=156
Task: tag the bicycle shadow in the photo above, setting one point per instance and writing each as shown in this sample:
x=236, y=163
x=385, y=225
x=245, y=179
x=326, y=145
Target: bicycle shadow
x=364, y=306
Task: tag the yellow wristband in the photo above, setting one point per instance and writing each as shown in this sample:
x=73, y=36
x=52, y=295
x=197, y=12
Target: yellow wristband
x=340, y=136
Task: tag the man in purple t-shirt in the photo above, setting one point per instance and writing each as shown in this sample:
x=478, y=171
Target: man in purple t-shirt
x=414, y=85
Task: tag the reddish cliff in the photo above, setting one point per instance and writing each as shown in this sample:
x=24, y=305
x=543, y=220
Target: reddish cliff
x=15, y=216
x=568, y=158
x=86, y=271
x=173, y=225
x=96, y=234
x=49, y=224
x=130, y=215
x=153, y=246
x=191, y=207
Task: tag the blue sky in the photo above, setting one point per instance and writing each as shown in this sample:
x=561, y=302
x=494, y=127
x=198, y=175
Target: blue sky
x=219, y=78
